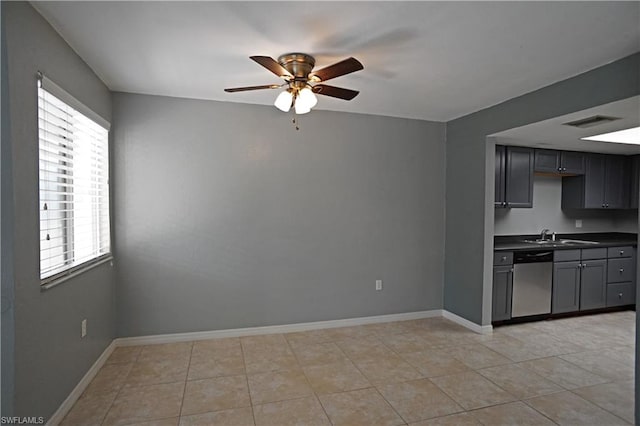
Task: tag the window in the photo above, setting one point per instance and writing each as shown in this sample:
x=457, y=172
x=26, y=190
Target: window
x=74, y=184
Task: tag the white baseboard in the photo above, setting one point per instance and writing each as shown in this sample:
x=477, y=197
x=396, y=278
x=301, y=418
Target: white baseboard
x=66, y=405
x=481, y=329
x=273, y=329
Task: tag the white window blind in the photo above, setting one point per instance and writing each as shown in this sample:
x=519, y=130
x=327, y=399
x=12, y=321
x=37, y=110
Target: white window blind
x=74, y=185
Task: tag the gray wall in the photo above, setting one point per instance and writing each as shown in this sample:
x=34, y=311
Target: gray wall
x=546, y=213
x=469, y=224
x=50, y=357
x=6, y=241
x=227, y=217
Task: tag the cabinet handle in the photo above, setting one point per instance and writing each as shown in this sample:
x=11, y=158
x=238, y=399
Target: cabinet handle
x=620, y=295
x=621, y=270
x=603, y=206
x=621, y=252
x=503, y=258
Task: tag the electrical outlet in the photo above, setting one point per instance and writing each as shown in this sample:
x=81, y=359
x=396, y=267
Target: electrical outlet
x=578, y=223
x=84, y=328
x=378, y=285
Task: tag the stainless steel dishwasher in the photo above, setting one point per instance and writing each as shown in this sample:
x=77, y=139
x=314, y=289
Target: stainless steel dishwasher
x=532, y=272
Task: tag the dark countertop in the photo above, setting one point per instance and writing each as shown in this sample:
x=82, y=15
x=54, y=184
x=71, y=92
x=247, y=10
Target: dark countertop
x=604, y=239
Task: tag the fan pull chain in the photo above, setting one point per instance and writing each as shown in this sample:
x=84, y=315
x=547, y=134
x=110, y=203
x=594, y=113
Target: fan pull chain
x=295, y=123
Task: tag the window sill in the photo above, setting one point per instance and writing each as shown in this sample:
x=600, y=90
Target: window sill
x=47, y=285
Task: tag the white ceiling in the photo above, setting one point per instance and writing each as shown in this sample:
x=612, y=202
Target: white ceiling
x=425, y=60
x=554, y=134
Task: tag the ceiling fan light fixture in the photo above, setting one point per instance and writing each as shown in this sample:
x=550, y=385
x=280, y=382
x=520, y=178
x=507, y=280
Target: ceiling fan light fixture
x=307, y=97
x=284, y=100
x=301, y=108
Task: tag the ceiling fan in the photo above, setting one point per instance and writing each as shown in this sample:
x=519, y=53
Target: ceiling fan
x=297, y=71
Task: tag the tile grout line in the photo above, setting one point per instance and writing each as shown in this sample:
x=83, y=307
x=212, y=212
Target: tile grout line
x=572, y=364
x=597, y=405
x=246, y=377
x=373, y=385
x=104, y=418
x=524, y=401
x=186, y=379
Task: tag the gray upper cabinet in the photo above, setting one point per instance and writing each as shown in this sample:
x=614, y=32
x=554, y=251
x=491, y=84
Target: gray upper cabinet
x=605, y=184
x=635, y=177
x=616, y=190
x=595, y=182
x=593, y=284
x=547, y=160
x=564, y=162
x=519, y=177
x=501, y=157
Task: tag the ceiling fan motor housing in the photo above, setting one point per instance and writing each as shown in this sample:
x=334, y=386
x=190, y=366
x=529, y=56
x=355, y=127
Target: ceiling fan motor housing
x=298, y=64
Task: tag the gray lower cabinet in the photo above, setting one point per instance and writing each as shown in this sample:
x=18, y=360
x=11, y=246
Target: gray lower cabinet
x=502, y=292
x=565, y=296
x=593, y=284
x=621, y=294
x=635, y=182
x=621, y=276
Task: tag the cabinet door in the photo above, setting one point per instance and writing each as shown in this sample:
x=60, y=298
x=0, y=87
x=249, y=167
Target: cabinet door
x=593, y=284
x=635, y=178
x=594, y=182
x=519, y=177
x=500, y=171
x=566, y=287
x=616, y=189
x=547, y=160
x=572, y=162
x=502, y=291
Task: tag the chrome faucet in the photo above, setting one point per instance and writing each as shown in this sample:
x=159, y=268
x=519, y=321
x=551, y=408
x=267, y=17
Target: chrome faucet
x=543, y=234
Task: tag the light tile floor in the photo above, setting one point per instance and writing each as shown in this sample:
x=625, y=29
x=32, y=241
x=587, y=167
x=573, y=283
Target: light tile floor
x=574, y=371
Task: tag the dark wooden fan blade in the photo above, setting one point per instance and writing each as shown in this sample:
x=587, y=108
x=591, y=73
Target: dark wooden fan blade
x=244, y=89
x=271, y=64
x=340, y=68
x=335, y=92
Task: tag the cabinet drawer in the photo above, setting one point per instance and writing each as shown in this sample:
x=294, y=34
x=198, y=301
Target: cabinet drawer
x=626, y=251
x=620, y=270
x=594, y=253
x=502, y=258
x=620, y=294
x=566, y=255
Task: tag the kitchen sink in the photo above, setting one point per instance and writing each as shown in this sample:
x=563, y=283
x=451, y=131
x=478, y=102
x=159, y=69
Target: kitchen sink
x=559, y=242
